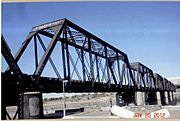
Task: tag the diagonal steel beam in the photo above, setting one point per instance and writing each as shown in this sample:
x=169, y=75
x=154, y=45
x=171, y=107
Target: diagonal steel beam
x=86, y=33
x=112, y=72
x=50, y=60
x=48, y=52
x=10, y=59
x=23, y=47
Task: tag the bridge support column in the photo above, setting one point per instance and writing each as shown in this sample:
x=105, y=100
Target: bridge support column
x=163, y=100
x=173, y=98
x=170, y=96
x=172, y=93
x=166, y=97
x=158, y=98
x=31, y=105
x=150, y=98
x=140, y=98
x=125, y=98
x=119, y=99
x=3, y=112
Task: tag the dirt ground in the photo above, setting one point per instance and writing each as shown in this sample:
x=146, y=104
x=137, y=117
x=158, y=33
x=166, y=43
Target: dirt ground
x=94, y=108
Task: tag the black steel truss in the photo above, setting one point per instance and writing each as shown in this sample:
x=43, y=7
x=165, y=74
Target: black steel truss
x=88, y=63
x=147, y=80
x=6, y=52
x=143, y=76
x=97, y=58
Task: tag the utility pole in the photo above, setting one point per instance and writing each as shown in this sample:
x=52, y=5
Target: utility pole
x=64, y=108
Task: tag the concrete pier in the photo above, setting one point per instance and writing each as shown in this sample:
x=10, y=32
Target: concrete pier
x=140, y=98
x=163, y=98
x=125, y=98
x=150, y=98
x=31, y=105
x=119, y=99
x=144, y=98
x=158, y=98
x=171, y=98
x=172, y=93
x=166, y=97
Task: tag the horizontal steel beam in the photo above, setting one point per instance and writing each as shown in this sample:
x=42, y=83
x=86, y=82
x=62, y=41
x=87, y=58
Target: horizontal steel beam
x=80, y=47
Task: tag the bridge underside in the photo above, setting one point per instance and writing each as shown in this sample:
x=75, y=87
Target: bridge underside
x=52, y=85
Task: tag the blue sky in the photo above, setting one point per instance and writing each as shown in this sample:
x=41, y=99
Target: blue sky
x=148, y=32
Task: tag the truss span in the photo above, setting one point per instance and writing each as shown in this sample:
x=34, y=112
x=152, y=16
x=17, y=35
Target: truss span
x=88, y=63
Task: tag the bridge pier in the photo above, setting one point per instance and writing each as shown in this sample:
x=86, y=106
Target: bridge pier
x=124, y=98
x=173, y=98
x=164, y=98
x=158, y=95
x=140, y=98
x=150, y=98
x=172, y=93
x=119, y=99
x=169, y=97
x=31, y=105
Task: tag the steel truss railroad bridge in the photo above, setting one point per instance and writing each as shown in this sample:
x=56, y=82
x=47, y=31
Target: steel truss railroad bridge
x=89, y=64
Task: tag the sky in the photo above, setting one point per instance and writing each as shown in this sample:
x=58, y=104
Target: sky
x=148, y=32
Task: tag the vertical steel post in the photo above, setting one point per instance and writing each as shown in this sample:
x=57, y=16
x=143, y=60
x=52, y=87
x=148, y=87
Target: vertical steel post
x=119, y=72
x=107, y=64
x=97, y=67
x=138, y=81
x=91, y=61
x=83, y=65
x=64, y=58
x=67, y=59
x=35, y=51
x=122, y=74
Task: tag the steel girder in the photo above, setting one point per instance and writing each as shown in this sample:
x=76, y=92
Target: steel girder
x=147, y=80
x=88, y=63
x=143, y=76
x=159, y=81
x=100, y=61
x=163, y=84
x=169, y=86
x=6, y=52
x=87, y=58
